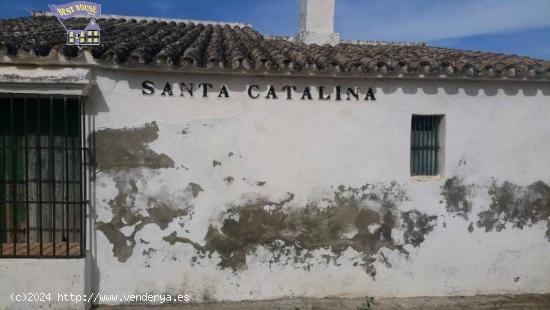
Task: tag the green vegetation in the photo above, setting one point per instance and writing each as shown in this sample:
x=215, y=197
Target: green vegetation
x=367, y=305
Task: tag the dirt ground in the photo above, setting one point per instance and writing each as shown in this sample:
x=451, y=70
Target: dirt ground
x=492, y=302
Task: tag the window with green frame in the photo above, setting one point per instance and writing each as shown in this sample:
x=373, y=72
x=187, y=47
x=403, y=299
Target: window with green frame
x=425, y=145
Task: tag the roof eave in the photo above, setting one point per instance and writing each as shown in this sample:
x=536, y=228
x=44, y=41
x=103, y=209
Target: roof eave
x=85, y=60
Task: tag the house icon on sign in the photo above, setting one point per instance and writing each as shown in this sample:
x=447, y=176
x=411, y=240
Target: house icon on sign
x=88, y=36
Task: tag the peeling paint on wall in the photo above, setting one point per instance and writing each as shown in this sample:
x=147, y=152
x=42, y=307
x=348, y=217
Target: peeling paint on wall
x=149, y=252
x=254, y=182
x=129, y=148
x=457, y=195
x=417, y=225
x=125, y=213
x=520, y=206
x=195, y=189
x=512, y=204
x=161, y=214
x=173, y=239
x=363, y=219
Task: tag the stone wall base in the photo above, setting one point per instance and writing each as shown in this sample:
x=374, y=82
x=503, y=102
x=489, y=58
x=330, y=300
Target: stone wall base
x=493, y=302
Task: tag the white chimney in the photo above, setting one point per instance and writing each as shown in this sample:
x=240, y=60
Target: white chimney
x=317, y=22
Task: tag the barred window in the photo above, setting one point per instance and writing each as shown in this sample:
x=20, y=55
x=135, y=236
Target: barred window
x=425, y=145
x=42, y=177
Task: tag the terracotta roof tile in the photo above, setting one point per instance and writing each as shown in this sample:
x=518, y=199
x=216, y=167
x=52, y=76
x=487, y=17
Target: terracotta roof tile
x=207, y=47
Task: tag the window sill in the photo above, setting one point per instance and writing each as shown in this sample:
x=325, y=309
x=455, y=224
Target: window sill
x=33, y=250
x=426, y=178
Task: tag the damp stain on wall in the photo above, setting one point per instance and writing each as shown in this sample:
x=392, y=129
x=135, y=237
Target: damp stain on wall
x=457, y=196
x=173, y=239
x=195, y=189
x=416, y=226
x=126, y=214
x=129, y=148
x=521, y=206
x=363, y=219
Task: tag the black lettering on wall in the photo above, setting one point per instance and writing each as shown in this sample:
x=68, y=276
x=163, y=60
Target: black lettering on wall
x=167, y=90
x=322, y=94
x=289, y=90
x=205, y=87
x=353, y=92
x=271, y=93
x=185, y=88
x=370, y=95
x=147, y=88
x=254, y=91
x=307, y=94
x=256, y=87
x=338, y=93
x=224, y=92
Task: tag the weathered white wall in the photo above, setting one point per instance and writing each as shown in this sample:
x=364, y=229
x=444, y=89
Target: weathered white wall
x=43, y=276
x=495, y=132
x=44, y=80
x=170, y=180
x=22, y=279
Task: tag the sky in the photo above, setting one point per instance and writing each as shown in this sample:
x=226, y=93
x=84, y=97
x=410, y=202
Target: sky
x=519, y=27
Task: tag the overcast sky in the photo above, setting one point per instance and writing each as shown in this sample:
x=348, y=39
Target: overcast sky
x=510, y=26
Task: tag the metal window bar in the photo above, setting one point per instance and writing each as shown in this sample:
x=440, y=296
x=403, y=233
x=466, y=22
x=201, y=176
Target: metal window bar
x=51, y=157
x=43, y=177
x=2, y=173
x=83, y=173
x=27, y=176
x=425, y=144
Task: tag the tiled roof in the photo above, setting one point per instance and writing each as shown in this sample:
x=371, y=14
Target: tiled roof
x=198, y=46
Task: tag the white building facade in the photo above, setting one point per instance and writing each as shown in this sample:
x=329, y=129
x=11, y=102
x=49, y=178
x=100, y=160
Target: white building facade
x=228, y=183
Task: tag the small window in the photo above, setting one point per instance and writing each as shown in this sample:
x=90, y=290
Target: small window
x=92, y=36
x=425, y=145
x=42, y=177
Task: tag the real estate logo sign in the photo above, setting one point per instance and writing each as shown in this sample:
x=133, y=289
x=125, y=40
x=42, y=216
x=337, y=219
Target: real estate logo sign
x=91, y=34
